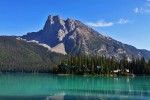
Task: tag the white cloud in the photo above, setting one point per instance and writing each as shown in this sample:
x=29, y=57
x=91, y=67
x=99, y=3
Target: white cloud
x=123, y=21
x=136, y=10
x=101, y=24
x=142, y=10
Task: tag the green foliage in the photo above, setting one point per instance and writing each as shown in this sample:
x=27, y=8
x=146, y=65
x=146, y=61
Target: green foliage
x=103, y=65
x=21, y=56
x=86, y=65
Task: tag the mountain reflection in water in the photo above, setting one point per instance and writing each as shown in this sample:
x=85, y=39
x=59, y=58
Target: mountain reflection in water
x=60, y=87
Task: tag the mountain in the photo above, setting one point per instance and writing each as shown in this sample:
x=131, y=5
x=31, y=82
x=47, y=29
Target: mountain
x=73, y=37
x=21, y=56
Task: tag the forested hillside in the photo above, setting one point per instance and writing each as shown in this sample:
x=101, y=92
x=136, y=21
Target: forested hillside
x=21, y=56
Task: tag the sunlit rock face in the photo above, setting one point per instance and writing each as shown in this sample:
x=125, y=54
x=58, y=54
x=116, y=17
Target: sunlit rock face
x=73, y=37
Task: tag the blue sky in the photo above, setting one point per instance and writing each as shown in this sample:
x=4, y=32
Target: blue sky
x=127, y=21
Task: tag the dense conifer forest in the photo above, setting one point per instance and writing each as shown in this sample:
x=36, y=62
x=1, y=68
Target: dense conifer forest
x=21, y=56
x=103, y=65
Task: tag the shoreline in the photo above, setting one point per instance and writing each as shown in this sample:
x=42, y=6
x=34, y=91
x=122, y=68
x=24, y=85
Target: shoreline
x=62, y=74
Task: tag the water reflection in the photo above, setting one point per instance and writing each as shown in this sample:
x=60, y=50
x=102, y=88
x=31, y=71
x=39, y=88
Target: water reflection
x=63, y=87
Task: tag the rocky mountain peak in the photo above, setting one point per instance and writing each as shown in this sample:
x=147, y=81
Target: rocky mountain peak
x=74, y=37
x=70, y=24
x=69, y=20
x=54, y=18
x=53, y=23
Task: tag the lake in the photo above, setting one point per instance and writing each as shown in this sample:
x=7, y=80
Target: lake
x=25, y=86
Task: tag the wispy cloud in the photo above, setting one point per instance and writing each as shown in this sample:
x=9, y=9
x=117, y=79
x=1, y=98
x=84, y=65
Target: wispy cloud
x=123, y=21
x=101, y=23
x=142, y=10
x=136, y=10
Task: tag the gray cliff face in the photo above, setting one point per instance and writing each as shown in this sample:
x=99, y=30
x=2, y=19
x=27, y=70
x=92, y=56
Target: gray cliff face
x=79, y=39
x=54, y=30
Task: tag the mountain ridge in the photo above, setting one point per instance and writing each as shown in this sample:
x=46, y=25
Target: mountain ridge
x=79, y=39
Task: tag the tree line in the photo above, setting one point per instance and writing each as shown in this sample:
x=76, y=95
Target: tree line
x=20, y=56
x=102, y=65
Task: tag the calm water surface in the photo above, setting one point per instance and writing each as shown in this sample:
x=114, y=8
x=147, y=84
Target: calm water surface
x=52, y=87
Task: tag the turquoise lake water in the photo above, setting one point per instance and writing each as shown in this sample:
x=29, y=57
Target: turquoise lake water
x=60, y=87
